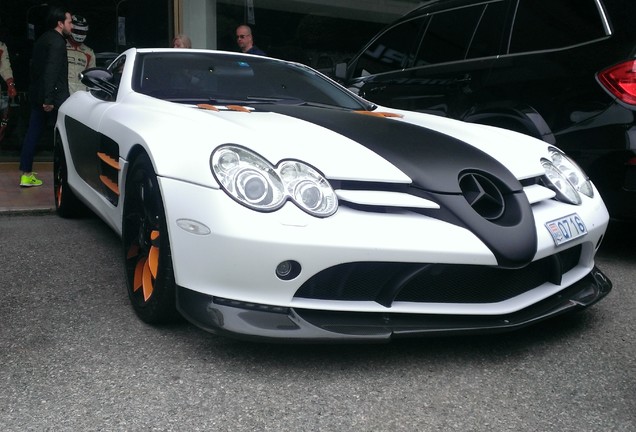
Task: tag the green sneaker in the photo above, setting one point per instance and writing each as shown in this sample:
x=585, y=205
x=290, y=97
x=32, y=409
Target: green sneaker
x=30, y=180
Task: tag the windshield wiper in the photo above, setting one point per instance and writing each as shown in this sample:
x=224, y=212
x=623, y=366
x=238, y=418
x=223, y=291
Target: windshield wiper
x=252, y=100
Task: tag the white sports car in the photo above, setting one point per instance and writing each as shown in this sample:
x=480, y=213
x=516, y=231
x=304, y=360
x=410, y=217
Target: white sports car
x=257, y=198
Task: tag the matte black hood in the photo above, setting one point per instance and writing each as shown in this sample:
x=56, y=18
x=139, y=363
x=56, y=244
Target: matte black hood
x=433, y=161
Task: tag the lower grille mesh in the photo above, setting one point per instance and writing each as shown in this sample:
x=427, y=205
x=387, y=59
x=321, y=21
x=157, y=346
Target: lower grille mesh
x=434, y=283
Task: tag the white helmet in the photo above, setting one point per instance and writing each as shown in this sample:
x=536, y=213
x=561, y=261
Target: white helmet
x=80, y=28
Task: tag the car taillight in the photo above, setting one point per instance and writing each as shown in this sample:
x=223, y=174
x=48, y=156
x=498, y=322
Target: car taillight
x=620, y=80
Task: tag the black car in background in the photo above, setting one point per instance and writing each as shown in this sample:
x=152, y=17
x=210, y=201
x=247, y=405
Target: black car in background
x=560, y=70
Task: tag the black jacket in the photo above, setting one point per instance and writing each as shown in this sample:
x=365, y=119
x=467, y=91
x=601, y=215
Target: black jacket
x=49, y=71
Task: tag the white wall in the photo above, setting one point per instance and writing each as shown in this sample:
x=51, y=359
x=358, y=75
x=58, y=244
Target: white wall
x=199, y=22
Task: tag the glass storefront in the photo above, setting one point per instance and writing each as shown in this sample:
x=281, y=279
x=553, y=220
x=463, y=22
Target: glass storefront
x=307, y=31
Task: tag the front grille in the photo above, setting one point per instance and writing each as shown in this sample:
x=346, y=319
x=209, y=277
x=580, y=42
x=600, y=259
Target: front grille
x=434, y=283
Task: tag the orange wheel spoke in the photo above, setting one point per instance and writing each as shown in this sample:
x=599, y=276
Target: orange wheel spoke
x=153, y=260
x=139, y=270
x=154, y=238
x=133, y=251
x=147, y=282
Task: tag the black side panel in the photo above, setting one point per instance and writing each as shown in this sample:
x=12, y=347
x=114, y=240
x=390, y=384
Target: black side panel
x=95, y=158
x=84, y=145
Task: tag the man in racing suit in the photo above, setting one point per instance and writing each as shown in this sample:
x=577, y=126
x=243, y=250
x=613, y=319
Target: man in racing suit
x=5, y=70
x=80, y=56
x=7, y=74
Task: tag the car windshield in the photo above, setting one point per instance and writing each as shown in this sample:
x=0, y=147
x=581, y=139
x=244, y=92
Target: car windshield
x=196, y=77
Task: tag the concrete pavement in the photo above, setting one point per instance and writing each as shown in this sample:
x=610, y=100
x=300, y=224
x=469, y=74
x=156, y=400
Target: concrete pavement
x=16, y=199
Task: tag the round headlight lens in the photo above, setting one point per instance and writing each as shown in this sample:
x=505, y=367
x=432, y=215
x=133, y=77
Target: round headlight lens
x=228, y=160
x=252, y=186
x=309, y=195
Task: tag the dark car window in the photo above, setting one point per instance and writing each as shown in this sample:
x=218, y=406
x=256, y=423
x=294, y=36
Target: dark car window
x=392, y=50
x=200, y=77
x=448, y=35
x=546, y=24
x=489, y=33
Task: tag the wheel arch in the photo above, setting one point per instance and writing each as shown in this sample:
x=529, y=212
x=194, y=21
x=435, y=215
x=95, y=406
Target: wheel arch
x=516, y=117
x=136, y=150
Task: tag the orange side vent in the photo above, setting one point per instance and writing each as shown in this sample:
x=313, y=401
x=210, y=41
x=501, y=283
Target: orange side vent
x=380, y=114
x=108, y=160
x=207, y=107
x=110, y=184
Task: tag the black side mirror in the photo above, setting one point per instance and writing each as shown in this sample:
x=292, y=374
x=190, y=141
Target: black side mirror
x=100, y=80
x=341, y=71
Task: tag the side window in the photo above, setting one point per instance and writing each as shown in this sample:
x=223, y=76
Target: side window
x=549, y=24
x=489, y=33
x=448, y=35
x=391, y=51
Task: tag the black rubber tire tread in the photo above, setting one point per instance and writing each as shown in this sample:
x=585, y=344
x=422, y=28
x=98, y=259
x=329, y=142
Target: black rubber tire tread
x=67, y=205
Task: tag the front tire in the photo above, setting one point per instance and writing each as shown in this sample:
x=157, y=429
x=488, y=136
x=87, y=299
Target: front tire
x=67, y=205
x=148, y=260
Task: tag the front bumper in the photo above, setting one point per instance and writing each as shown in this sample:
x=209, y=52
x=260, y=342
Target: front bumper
x=284, y=324
x=238, y=256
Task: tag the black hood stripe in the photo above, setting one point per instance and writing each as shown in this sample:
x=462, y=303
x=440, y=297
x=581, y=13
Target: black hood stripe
x=433, y=161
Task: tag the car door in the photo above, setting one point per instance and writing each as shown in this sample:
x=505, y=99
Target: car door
x=449, y=65
x=555, y=50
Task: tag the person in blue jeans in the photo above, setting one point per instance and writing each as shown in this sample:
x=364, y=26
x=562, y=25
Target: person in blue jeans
x=49, y=85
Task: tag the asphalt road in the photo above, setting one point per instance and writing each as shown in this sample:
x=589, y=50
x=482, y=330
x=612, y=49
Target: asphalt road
x=73, y=357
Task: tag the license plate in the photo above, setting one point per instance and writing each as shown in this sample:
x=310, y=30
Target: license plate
x=566, y=229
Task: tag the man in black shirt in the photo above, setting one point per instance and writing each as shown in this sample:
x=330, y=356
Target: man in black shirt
x=245, y=41
x=49, y=85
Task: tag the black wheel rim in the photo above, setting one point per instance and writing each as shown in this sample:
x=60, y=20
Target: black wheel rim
x=59, y=175
x=142, y=236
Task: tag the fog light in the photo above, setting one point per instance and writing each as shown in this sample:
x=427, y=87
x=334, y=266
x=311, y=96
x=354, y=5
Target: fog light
x=288, y=270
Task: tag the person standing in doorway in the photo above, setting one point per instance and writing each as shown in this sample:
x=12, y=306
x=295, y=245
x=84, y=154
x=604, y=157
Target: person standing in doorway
x=49, y=85
x=80, y=56
x=181, y=41
x=245, y=41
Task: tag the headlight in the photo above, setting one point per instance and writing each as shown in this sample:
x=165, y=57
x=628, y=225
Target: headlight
x=308, y=188
x=566, y=178
x=257, y=184
x=572, y=172
x=248, y=178
x=557, y=182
